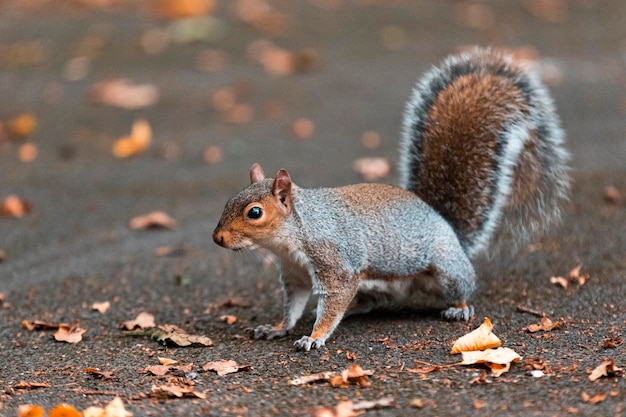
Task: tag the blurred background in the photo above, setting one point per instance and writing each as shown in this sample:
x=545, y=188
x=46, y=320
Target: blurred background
x=113, y=108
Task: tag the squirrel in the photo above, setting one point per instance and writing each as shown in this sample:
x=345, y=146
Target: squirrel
x=482, y=159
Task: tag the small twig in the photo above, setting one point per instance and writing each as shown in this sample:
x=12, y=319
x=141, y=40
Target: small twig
x=529, y=310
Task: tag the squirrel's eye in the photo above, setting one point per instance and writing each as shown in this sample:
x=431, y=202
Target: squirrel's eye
x=255, y=213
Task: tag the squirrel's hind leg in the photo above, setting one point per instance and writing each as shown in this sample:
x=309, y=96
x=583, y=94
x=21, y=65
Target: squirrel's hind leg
x=463, y=311
x=456, y=281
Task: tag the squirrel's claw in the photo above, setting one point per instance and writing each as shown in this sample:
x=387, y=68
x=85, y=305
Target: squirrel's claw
x=268, y=332
x=461, y=312
x=306, y=343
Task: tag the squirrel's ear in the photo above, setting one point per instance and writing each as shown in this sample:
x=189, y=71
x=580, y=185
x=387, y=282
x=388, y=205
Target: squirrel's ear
x=282, y=188
x=256, y=173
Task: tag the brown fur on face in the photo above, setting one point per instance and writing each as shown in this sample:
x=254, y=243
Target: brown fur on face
x=236, y=230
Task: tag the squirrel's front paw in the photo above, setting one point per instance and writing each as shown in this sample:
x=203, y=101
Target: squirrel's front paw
x=460, y=312
x=268, y=332
x=306, y=343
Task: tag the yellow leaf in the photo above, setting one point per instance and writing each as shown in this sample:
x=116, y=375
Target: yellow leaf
x=478, y=339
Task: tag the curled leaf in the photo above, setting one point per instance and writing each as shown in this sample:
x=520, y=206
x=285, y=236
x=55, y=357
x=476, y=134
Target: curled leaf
x=225, y=367
x=143, y=321
x=478, y=339
x=545, y=324
x=155, y=219
x=498, y=360
x=606, y=368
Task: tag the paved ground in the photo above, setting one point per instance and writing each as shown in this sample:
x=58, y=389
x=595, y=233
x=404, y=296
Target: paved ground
x=75, y=247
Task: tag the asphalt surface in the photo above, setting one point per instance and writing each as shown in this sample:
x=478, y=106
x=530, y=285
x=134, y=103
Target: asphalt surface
x=75, y=246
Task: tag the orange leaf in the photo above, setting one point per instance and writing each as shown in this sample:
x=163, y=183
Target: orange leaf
x=27, y=410
x=64, y=410
x=143, y=321
x=478, y=339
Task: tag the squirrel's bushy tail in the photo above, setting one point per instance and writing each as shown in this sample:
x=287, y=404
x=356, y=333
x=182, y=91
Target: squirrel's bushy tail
x=482, y=145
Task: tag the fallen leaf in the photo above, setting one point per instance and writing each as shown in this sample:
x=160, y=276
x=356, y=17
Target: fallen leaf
x=102, y=307
x=498, y=360
x=177, y=9
x=69, y=334
x=225, y=367
x=167, y=361
x=38, y=325
x=370, y=405
x=213, y=155
x=98, y=373
x=27, y=152
x=177, y=390
x=143, y=321
x=124, y=94
x=608, y=343
x=155, y=219
x=176, y=335
x=31, y=385
x=354, y=375
x=13, y=206
x=598, y=398
x=138, y=141
x=545, y=325
x=64, y=410
x=113, y=409
x=343, y=409
x=303, y=128
x=606, y=368
x=228, y=319
x=574, y=277
x=308, y=379
x=22, y=125
x=160, y=370
x=478, y=339
x=27, y=410
x=371, y=168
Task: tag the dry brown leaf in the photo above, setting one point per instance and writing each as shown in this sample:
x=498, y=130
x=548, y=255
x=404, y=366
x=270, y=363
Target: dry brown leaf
x=309, y=379
x=303, y=128
x=498, y=360
x=27, y=410
x=595, y=399
x=176, y=335
x=228, y=319
x=178, y=390
x=27, y=152
x=167, y=361
x=343, y=409
x=13, y=206
x=143, y=321
x=606, y=368
x=478, y=339
x=574, y=277
x=69, y=334
x=102, y=307
x=31, y=385
x=225, y=367
x=138, y=141
x=123, y=94
x=98, y=373
x=371, y=168
x=354, y=375
x=39, y=325
x=22, y=125
x=545, y=325
x=177, y=9
x=64, y=410
x=155, y=219
x=113, y=409
x=213, y=155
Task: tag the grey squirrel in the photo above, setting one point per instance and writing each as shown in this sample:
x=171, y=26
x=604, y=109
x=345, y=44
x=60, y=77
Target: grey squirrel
x=481, y=157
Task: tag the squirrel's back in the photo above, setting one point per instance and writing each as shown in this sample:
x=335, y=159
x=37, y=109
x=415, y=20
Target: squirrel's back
x=482, y=145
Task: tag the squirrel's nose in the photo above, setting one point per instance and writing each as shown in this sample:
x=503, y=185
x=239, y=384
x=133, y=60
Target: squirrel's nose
x=218, y=236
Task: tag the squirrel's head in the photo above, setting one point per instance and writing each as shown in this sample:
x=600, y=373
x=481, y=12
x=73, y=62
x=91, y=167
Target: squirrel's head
x=253, y=216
